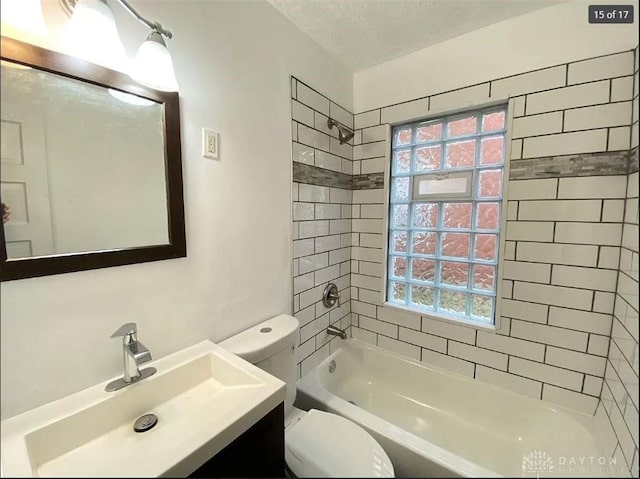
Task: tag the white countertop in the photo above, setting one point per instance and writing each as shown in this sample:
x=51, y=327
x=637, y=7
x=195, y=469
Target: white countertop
x=204, y=398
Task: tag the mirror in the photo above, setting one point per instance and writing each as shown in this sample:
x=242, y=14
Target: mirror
x=91, y=172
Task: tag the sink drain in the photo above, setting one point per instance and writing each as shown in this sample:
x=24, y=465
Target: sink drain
x=144, y=423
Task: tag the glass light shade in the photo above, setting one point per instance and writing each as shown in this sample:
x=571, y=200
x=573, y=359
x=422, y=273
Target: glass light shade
x=153, y=66
x=92, y=35
x=23, y=20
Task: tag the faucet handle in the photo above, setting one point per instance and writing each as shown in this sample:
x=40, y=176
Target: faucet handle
x=125, y=330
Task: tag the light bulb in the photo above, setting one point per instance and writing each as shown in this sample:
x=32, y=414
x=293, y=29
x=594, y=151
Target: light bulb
x=23, y=20
x=153, y=66
x=92, y=35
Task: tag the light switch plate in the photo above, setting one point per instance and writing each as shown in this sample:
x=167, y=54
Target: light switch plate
x=210, y=144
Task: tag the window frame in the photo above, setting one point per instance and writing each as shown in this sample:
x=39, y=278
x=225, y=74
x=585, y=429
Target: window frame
x=467, y=195
x=508, y=104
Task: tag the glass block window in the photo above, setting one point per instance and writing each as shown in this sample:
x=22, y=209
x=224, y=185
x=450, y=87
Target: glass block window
x=444, y=222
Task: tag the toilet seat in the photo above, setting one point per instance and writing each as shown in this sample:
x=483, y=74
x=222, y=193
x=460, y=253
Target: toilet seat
x=321, y=444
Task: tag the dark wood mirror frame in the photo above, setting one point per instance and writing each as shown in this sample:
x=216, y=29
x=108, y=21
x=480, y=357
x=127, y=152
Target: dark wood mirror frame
x=71, y=67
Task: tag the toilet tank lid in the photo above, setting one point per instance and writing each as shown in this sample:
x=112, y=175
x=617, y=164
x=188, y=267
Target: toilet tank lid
x=263, y=340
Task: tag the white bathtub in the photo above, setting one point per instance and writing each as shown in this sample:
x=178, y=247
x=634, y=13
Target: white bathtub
x=433, y=422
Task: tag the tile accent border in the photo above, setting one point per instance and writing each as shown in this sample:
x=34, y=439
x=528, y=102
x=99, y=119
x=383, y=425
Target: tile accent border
x=633, y=161
x=369, y=181
x=314, y=175
x=590, y=164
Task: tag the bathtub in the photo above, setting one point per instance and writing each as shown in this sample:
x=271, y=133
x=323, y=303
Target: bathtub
x=433, y=422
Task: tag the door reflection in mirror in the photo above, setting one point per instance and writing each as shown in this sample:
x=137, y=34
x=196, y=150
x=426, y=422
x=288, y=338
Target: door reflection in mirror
x=82, y=167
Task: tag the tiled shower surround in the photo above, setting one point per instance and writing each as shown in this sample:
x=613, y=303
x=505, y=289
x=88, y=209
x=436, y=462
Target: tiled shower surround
x=322, y=197
x=569, y=306
x=620, y=391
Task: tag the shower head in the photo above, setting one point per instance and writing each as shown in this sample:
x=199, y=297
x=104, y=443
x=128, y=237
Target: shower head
x=344, y=133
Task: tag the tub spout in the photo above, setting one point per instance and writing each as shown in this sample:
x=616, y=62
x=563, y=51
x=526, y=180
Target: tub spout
x=335, y=331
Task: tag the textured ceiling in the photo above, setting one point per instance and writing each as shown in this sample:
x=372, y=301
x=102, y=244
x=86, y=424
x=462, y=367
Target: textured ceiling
x=362, y=33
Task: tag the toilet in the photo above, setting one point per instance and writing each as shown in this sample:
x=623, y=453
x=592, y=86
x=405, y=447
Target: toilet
x=317, y=443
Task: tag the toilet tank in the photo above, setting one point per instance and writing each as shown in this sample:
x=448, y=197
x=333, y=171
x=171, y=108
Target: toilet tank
x=270, y=346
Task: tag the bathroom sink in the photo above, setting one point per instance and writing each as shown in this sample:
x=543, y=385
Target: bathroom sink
x=203, y=396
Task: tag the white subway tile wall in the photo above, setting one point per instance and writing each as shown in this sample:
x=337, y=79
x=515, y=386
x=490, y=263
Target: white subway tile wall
x=620, y=390
x=321, y=224
x=569, y=309
x=563, y=240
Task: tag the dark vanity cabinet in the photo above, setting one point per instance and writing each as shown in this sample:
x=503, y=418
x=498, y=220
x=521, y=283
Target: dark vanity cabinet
x=259, y=452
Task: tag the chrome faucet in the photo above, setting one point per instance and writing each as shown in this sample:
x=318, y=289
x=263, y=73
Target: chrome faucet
x=133, y=354
x=335, y=331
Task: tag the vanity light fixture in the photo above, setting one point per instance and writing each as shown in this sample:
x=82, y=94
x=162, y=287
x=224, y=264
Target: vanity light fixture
x=152, y=66
x=92, y=34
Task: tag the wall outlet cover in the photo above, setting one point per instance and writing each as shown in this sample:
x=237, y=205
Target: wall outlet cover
x=210, y=144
